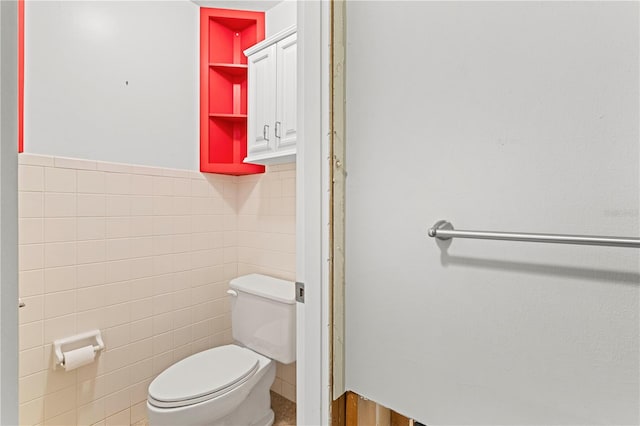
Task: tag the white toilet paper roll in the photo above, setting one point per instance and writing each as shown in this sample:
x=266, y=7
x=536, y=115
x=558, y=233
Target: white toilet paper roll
x=78, y=357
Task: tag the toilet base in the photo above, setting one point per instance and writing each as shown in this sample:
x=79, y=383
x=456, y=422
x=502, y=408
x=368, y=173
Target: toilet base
x=257, y=402
x=267, y=420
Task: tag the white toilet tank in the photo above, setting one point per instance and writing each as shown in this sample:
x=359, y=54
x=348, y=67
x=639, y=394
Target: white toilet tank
x=263, y=315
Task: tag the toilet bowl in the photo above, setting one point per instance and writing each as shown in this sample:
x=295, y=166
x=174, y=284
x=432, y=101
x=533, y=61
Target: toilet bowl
x=208, y=387
x=229, y=385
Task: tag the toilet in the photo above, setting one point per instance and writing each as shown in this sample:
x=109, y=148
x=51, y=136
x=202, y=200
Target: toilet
x=229, y=385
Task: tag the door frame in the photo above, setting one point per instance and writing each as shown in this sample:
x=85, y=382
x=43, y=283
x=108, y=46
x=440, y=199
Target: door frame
x=8, y=212
x=312, y=218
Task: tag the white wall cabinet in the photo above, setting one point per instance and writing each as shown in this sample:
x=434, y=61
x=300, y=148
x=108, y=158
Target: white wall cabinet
x=272, y=109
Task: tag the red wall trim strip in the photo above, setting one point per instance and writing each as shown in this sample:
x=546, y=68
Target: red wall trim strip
x=20, y=75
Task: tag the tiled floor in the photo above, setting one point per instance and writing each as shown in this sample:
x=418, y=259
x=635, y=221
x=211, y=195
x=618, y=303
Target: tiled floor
x=284, y=410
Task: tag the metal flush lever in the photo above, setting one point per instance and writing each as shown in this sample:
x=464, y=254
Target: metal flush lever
x=21, y=304
x=232, y=293
x=265, y=132
x=278, y=125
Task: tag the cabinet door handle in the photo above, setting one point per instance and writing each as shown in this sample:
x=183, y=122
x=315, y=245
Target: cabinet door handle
x=265, y=132
x=278, y=125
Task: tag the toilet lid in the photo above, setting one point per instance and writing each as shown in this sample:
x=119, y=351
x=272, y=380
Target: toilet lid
x=203, y=376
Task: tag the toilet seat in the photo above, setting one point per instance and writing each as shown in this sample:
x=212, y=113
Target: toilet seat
x=203, y=376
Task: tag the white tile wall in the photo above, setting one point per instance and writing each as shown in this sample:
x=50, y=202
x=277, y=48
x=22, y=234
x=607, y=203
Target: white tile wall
x=145, y=254
x=266, y=241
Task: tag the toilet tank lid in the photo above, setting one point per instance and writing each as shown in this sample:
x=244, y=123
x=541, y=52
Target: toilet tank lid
x=262, y=285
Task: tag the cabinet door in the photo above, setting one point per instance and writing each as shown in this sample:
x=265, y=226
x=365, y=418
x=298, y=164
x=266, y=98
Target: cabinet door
x=286, y=98
x=261, y=114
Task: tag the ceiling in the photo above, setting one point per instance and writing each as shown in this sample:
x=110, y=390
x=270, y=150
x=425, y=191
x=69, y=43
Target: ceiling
x=259, y=5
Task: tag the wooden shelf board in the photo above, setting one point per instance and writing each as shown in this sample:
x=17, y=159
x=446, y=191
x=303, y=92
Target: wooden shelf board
x=229, y=117
x=235, y=169
x=235, y=70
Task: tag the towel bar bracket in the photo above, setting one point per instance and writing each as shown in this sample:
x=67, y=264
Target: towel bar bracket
x=439, y=226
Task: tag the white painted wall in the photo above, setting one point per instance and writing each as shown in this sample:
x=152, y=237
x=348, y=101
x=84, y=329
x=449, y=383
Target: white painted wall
x=80, y=56
x=8, y=213
x=279, y=17
x=496, y=116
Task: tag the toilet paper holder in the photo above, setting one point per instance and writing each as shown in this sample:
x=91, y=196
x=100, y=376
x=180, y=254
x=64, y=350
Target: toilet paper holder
x=93, y=334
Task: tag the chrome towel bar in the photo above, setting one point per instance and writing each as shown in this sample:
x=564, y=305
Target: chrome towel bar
x=443, y=230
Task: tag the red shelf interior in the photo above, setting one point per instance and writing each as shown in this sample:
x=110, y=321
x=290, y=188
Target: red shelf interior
x=227, y=93
x=229, y=36
x=224, y=35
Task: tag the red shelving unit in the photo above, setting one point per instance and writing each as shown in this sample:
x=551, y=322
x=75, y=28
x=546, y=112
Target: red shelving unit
x=224, y=35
